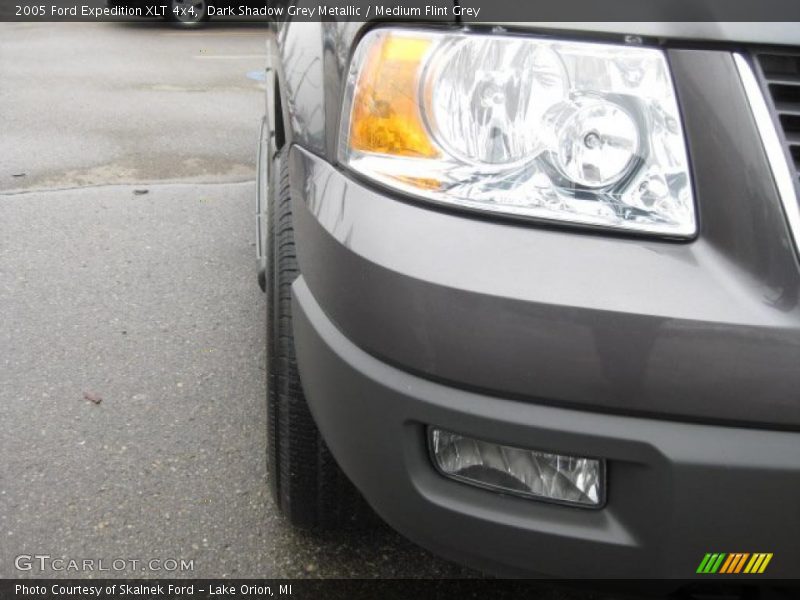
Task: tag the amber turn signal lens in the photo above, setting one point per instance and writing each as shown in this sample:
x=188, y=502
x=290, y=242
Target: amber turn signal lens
x=385, y=117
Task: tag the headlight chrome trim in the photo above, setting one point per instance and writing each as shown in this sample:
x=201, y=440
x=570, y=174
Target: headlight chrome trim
x=770, y=141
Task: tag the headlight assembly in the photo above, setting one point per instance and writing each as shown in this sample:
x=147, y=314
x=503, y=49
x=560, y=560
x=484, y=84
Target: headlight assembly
x=562, y=131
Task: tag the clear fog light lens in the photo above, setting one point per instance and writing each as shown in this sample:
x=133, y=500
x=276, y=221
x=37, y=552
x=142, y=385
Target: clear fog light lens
x=553, y=477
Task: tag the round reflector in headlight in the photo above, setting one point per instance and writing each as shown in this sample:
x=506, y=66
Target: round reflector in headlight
x=597, y=143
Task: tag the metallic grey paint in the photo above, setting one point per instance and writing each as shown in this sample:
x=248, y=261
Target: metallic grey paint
x=675, y=490
x=583, y=342
x=701, y=330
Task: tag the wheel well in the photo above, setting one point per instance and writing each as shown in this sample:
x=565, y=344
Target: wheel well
x=280, y=129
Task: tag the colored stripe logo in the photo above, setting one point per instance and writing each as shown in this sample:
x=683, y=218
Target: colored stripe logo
x=734, y=563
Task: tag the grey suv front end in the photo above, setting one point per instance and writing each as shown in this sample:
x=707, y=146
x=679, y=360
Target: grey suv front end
x=544, y=304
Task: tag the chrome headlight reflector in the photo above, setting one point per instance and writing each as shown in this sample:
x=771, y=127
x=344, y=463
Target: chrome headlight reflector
x=575, y=132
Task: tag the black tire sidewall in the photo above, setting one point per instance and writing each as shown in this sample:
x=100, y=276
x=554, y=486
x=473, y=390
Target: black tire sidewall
x=273, y=464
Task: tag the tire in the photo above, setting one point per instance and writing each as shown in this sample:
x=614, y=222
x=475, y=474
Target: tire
x=197, y=19
x=306, y=483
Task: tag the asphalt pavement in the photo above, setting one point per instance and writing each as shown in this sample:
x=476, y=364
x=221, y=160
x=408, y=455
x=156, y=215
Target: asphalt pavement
x=87, y=104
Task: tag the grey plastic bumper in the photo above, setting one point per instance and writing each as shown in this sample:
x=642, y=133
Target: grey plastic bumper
x=675, y=490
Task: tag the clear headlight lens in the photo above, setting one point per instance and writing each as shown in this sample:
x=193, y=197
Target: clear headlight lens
x=564, y=131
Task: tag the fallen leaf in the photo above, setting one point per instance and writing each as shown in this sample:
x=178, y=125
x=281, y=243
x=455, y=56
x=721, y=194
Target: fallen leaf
x=92, y=397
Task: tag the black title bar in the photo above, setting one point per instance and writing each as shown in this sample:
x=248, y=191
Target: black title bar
x=500, y=11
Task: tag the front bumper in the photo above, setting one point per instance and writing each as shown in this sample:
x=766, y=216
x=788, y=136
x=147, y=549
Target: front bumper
x=703, y=331
x=675, y=490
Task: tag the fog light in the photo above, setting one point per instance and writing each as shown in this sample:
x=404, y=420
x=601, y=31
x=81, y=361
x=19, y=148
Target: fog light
x=510, y=470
